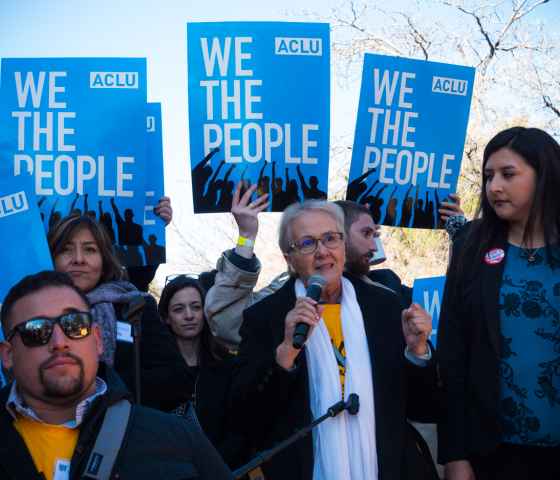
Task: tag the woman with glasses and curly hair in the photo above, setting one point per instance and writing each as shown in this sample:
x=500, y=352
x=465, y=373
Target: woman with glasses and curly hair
x=499, y=333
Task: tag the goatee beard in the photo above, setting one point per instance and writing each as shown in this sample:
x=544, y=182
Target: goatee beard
x=62, y=386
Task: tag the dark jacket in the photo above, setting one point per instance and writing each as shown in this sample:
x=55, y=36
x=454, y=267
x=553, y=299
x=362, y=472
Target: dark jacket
x=161, y=365
x=390, y=279
x=279, y=400
x=156, y=444
x=469, y=346
x=208, y=389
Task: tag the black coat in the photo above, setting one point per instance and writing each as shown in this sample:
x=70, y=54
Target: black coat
x=279, y=400
x=208, y=389
x=390, y=279
x=156, y=445
x=162, y=371
x=469, y=346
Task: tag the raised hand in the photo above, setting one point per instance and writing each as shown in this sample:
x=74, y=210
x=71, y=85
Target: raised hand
x=246, y=211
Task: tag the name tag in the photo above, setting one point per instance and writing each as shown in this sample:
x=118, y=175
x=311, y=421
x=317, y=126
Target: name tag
x=61, y=470
x=124, y=332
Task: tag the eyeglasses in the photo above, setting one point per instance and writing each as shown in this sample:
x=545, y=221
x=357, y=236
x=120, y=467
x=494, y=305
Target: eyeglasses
x=38, y=331
x=308, y=245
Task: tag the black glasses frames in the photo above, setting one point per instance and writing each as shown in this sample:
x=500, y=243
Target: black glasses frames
x=308, y=245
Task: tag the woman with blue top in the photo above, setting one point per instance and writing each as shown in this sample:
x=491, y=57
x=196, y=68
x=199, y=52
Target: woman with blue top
x=499, y=333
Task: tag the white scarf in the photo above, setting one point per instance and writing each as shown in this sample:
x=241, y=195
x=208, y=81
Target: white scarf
x=344, y=447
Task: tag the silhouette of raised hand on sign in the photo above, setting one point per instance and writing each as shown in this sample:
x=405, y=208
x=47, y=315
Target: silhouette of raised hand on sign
x=407, y=208
x=419, y=216
x=357, y=186
x=263, y=182
x=292, y=189
x=200, y=174
x=211, y=196
x=375, y=204
x=107, y=222
x=226, y=194
x=431, y=216
x=391, y=212
x=54, y=216
x=279, y=196
x=365, y=198
x=130, y=233
x=310, y=191
x=73, y=210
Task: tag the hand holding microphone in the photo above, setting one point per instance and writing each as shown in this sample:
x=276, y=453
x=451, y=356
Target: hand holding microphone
x=299, y=321
x=315, y=286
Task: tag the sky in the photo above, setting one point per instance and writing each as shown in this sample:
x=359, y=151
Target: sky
x=156, y=30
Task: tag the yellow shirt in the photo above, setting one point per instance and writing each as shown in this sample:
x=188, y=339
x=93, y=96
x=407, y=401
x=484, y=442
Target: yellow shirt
x=50, y=446
x=333, y=322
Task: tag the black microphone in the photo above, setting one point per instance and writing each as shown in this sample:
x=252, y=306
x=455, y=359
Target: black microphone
x=315, y=285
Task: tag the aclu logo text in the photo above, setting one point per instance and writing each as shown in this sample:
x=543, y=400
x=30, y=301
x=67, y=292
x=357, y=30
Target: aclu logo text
x=113, y=79
x=450, y=86
x=298, y=46
x=13, y=203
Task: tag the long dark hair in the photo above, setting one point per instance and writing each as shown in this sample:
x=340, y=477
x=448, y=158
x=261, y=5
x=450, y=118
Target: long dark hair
x=210, y=349
x=542, y=153
x=60, y=234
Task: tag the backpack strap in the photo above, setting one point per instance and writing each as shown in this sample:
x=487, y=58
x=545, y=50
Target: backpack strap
x=109, y=441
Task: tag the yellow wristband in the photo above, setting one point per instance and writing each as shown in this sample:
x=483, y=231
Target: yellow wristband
x=245, y=242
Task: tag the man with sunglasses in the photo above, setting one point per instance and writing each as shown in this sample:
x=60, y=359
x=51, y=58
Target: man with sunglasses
x=53, y=411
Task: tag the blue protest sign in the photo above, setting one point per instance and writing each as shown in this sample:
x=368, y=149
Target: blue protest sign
x=410, y=134
x=154, y=227
x=24, y=243
x=428, y=293
x=259, y=110
x=78, y=127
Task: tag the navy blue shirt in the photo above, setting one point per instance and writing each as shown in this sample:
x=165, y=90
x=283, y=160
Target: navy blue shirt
x=530, y=357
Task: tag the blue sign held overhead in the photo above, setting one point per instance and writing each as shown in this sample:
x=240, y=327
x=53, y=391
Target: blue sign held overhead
x=259, y=110
x=154, y=227
x=77, y=126
x=410, y=135
x=428, y=293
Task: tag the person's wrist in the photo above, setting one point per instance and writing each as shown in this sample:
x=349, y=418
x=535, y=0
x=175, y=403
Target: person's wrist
x=243, y=241
x=285, y=356
x=419, y=350
x=247, y=234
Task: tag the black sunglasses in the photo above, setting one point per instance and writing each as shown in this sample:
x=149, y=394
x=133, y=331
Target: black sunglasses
x=173, y=276
x=36, y=332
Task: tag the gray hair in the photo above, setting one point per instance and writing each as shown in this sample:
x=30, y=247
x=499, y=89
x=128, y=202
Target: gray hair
x=297, y=209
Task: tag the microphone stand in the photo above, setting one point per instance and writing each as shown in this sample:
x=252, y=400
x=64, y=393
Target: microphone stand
x=352, y=405
x=133, y=315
